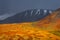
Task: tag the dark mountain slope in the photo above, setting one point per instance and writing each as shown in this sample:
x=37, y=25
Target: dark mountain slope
x=27, y=16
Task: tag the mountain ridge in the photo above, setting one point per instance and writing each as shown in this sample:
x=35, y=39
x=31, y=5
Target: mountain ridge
x=30, y=16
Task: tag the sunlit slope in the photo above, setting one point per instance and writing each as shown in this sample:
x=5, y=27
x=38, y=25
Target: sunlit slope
x=24, y=31
x=51, y=22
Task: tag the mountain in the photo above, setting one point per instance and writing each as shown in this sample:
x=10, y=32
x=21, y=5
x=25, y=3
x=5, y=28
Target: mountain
x=47, y=28
x=50, y=22
x=27, y=16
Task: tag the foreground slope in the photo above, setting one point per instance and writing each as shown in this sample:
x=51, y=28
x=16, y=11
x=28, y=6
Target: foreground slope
x=24, y=31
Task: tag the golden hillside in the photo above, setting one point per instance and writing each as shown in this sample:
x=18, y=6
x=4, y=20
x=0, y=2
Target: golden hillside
x=24, y=31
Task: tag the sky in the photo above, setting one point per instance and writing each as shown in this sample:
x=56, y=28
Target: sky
x=15, y=6
x=20, y=5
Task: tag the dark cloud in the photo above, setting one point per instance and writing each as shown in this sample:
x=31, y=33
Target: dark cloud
x=20, y=5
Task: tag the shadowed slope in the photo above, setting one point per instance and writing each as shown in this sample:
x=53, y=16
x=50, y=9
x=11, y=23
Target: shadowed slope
x=27, y=16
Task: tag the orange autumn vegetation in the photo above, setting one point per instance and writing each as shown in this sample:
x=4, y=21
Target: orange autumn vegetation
x=25, y=30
